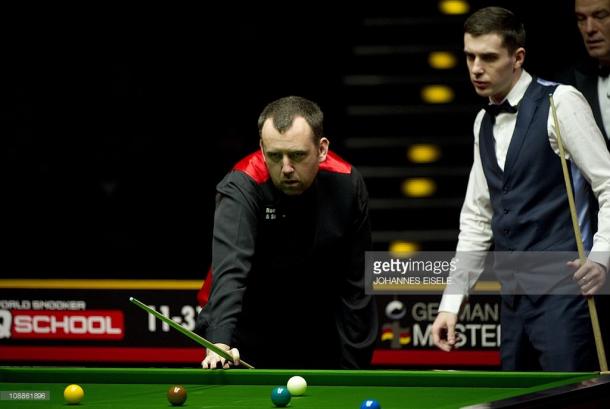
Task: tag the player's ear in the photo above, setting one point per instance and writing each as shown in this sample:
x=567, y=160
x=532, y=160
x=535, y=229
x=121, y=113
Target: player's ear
x=519, y=58
x=323, y=149
x=260, y=143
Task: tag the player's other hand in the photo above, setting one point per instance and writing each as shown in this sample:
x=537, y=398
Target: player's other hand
x=443, y=330
x=213, y=360
x=590, y=277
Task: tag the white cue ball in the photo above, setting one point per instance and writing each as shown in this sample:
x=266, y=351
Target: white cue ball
x=296, y=385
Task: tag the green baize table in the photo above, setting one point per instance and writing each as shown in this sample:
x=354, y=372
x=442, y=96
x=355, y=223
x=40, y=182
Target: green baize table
x=242, y=388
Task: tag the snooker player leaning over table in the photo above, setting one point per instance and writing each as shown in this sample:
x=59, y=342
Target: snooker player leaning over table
x=516, y=200
x=291, y=229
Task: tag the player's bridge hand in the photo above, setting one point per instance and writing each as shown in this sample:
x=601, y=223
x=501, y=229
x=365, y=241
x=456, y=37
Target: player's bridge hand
x=590, y=277
x=213, y=360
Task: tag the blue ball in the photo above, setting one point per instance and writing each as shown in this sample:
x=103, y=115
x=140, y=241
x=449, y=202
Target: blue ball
x=370, y=404
x=280, y=396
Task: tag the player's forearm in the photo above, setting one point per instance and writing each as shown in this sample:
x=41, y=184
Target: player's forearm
x=469, y=266
x=233, y=247
x=220, y=334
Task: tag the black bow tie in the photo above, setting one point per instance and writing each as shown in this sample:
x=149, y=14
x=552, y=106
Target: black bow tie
x=493, y=110
x=603, y=71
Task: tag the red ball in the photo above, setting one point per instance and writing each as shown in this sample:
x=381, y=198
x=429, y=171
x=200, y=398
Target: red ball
x=176, y=395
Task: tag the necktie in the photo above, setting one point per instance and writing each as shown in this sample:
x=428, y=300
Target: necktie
x=493, y=110
x=603, y=71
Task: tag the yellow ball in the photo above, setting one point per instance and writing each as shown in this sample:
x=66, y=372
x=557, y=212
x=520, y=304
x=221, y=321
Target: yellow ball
x=73, y=394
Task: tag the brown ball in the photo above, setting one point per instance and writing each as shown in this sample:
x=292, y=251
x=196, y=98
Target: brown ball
x=176, y=395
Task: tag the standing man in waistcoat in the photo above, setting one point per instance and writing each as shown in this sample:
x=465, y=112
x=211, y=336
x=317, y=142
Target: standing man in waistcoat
x=516, y=199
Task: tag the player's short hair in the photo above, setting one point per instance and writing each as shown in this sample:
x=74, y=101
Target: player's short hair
x=498, y=20
x=284, y=110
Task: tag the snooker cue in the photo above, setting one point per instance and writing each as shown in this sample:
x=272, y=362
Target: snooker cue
x=200, y=340
x=599, y=345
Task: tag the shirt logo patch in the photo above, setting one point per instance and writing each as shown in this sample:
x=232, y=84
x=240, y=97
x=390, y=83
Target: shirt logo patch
x=270, y=213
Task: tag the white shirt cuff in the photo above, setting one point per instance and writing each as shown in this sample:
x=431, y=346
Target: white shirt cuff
x=451, y=303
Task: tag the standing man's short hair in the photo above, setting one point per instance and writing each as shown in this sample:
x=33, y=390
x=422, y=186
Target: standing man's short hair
x=498, y=20
x=284, y=110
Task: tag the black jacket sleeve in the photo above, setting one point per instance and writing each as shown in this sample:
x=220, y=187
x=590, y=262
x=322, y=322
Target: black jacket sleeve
x=357, y=320
x=233, y=244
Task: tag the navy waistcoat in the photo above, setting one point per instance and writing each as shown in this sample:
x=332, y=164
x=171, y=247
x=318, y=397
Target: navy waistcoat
x=529, y=200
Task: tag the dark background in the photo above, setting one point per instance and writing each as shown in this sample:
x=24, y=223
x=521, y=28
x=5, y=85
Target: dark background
x=117, y=124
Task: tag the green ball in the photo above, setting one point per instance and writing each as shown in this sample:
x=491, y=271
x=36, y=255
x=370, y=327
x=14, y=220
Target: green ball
x=280, y=396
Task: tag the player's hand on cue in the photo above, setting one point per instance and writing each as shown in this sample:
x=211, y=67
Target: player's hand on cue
x=443, y=330
x=213, y=360
x=590, y=277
